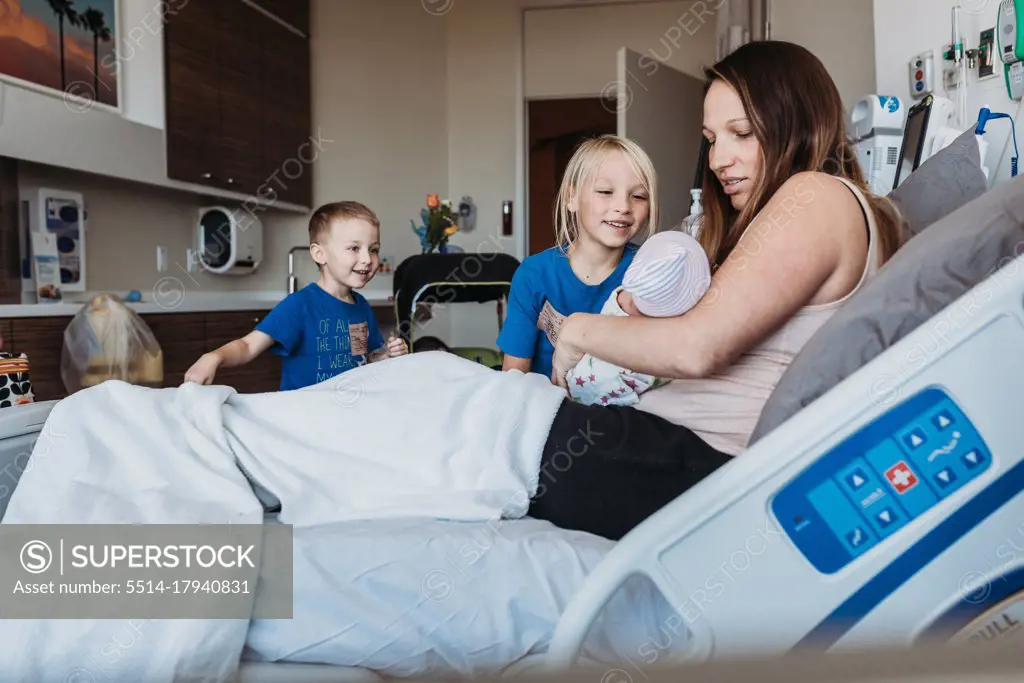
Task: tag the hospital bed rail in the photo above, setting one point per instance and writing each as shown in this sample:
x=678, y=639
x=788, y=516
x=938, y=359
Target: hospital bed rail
x=746, y=580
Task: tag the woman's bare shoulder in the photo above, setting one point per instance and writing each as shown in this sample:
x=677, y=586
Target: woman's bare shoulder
x=826, y=222
x=817, y=191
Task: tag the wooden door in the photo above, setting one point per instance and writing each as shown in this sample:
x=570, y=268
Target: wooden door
x=192, y=98
x=556, y=127
x=663, y=112
x=292, y=12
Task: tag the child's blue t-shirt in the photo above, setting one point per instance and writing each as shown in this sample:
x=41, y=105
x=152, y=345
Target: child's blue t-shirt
x=320, y=336
x=544, y=292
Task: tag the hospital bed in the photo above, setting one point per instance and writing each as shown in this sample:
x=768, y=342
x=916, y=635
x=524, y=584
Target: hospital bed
x=406, y=597
x=881, y=514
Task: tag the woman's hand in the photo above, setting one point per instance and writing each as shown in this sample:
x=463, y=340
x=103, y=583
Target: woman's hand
x=567, y=354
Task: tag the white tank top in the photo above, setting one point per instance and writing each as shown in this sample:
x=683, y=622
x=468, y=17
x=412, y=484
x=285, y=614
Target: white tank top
x=723, y=409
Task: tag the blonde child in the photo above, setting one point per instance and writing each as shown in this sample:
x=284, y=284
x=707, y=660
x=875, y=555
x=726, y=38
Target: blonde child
x=607, y=197
x=326, y=327
x=669, y=275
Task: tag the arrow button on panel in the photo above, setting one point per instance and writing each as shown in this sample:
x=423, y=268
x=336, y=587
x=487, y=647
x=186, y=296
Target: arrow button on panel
x=945, y=477
x=972, y=458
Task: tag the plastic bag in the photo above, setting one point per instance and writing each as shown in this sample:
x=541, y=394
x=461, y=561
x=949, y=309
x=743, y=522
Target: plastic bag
x=107, y=340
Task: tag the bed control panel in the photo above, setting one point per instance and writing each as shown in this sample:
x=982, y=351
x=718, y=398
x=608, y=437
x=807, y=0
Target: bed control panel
x=891, y=471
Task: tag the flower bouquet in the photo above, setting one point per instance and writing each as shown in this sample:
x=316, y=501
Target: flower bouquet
x=439, y=222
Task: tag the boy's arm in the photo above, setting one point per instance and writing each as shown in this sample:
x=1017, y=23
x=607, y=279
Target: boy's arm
x=518, y=336
x=510, y=362
x=237, y=352
x=244, y=350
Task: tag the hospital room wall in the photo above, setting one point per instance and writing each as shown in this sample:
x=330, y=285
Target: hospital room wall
x=806, y=23
x=486, y=76
x=907, y=28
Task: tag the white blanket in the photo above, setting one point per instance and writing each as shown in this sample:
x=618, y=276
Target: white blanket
x=425, y=434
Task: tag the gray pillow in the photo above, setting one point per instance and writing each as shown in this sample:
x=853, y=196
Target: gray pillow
x=927, y=274
x=941, y=185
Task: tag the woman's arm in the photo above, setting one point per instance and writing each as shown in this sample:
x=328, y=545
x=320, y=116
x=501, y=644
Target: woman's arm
x=789, y=257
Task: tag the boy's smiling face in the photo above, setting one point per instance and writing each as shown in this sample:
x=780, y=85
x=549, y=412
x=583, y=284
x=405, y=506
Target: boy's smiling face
x=351, y=252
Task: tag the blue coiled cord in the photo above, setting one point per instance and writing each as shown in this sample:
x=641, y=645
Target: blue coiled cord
x=984, y=117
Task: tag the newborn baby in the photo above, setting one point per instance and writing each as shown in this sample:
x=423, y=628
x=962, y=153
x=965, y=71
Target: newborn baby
x=669, y=274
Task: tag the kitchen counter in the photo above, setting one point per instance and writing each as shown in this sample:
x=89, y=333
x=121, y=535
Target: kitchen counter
x=171, y=299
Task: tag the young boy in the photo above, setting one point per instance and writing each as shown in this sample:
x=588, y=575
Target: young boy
x=668, y=276
x=326, y=327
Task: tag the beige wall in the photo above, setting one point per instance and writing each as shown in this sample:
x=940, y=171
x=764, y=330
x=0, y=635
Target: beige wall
x=841, y=33
x=572, y=51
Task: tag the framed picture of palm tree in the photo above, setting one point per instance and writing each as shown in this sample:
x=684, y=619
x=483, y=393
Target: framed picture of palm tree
x=67, y=47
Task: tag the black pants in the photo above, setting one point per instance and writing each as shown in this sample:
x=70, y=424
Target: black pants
x=605, y=469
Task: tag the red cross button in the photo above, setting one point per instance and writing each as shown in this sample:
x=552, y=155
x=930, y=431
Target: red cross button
x=901, y=477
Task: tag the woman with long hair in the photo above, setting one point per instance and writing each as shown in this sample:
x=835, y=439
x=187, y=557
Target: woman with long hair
x=792, y=233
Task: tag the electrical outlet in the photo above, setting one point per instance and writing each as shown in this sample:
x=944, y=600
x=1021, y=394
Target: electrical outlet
x=161, y=259
x=191, y=261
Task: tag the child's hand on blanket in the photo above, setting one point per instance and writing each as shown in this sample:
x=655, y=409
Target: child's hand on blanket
x=203, y=370
x=396, y=346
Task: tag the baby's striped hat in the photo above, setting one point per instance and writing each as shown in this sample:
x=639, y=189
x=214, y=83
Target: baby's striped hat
x=669, y=274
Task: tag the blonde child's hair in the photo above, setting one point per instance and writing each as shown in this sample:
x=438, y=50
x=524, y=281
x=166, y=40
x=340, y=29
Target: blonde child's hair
x=582, y=168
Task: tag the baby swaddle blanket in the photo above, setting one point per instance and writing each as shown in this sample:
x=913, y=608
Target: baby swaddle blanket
x=597, y=382
x=668, y=276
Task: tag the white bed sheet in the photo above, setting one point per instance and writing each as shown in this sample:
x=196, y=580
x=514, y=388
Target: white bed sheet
x=419, y=597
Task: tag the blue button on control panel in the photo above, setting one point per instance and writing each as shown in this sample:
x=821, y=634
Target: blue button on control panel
x=870, y=486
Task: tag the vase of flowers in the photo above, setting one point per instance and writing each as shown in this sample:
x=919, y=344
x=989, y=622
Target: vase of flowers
x=438, y=222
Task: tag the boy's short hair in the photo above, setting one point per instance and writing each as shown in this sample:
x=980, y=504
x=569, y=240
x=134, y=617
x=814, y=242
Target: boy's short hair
x=320, y=221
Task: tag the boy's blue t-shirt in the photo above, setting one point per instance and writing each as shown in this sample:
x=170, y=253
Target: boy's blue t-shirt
x=320, y=336
x=544, y=292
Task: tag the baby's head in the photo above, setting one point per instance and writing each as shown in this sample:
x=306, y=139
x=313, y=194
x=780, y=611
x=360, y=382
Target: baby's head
x=669, y=274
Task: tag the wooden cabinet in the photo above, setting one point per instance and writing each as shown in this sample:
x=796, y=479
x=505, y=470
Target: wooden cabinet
x=42, y=340
x=192, y=104
x=288, y=150
x=10, y=259
x=182, y=338
x=6, y=334
x=238, y=99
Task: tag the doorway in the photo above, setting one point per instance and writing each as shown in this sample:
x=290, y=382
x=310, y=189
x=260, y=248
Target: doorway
x=556, y=128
